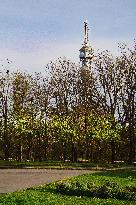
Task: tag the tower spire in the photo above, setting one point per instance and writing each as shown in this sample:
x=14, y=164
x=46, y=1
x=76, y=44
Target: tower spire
x=86, y=52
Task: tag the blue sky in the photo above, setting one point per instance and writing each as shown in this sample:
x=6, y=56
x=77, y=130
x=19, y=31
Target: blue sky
x=33, y=32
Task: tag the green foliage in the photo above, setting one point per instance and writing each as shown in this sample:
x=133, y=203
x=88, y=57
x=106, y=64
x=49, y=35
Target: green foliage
x=104, y=128
x=98, y=127
x=106, y=190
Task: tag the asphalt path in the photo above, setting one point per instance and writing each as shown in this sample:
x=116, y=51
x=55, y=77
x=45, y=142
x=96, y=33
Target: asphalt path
x=17, y=179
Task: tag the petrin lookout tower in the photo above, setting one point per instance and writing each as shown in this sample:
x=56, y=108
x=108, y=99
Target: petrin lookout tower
x=86, y=52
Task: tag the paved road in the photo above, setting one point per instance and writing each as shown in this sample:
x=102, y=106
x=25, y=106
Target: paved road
x=16, y=179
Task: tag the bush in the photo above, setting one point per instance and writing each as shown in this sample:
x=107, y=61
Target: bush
x=106, y=190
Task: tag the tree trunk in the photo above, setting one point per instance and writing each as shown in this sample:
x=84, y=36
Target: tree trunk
x=74, y=153
x=112, y=151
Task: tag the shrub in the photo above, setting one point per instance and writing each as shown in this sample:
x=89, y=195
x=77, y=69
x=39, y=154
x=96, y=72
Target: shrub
x=106, y=190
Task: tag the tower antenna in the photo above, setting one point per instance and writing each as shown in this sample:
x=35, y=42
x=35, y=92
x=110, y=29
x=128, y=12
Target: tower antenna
x=86, y=30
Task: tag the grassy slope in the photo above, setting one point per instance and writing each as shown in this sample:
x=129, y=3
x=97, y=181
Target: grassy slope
x=47, y=195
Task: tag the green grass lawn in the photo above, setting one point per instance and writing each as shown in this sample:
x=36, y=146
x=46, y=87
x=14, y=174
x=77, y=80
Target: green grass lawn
x=105, y=188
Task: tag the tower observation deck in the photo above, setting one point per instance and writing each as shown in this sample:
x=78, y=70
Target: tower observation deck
x=86, y=52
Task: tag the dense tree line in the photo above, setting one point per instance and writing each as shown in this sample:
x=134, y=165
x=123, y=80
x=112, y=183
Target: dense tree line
x=72, y=112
